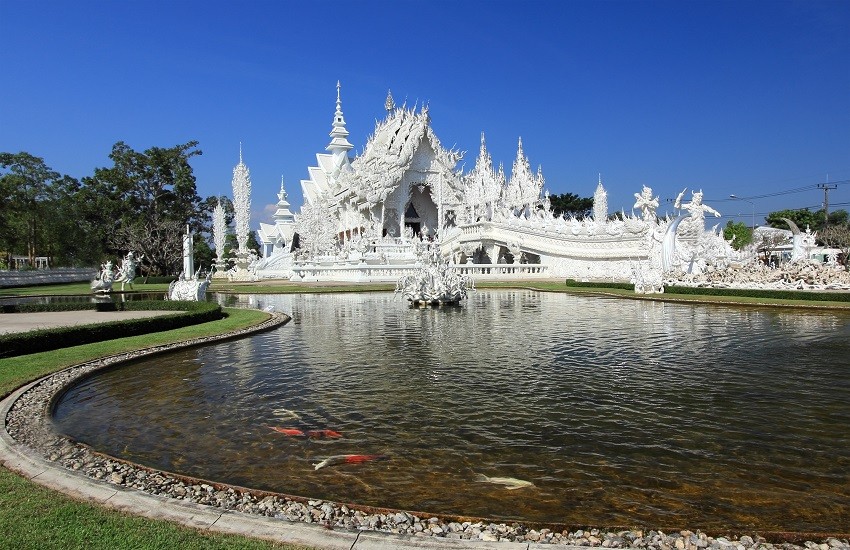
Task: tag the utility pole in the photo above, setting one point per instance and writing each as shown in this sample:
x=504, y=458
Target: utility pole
x=826, y=187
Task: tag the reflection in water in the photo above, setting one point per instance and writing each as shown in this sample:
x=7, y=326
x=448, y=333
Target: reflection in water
x=619, y=412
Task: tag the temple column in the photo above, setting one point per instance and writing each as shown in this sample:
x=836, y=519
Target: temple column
x=494, y=253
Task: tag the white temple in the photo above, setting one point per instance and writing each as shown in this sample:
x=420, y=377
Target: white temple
x=365, y=217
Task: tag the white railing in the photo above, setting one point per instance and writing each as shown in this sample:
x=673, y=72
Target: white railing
x=368, y=273
x=46, y=276
x=502, y=271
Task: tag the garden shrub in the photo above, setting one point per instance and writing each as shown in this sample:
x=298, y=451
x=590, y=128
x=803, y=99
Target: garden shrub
x=192, y=313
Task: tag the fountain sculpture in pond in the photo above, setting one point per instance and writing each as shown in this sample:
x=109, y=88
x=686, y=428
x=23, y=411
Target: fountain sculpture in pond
x=436, y=283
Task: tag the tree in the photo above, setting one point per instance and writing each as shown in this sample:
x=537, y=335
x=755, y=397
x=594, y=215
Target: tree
x=804, y=217
x=739, y=233
x=30, y=193
x=571, y=204
x=146, y=201
x=769, y=243
x=838, y=236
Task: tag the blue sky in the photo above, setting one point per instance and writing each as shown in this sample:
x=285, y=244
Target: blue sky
x=746, y=98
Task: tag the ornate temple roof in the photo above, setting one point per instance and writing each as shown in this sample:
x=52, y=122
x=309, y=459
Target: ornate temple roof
x=389, y=153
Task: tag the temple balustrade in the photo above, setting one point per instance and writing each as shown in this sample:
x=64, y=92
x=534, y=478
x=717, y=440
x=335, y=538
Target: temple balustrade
x=551, y=243
x=367, y=273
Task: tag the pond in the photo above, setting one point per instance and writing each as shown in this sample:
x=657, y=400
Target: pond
x=616, y=412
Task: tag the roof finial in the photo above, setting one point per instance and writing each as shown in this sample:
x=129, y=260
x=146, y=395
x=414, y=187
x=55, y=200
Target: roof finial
x=339, y=144
x=600, y=177
x=240, y=152
x=282, y=195
x=389, y=104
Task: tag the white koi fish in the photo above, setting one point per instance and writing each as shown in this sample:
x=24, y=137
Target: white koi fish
x=510, y=483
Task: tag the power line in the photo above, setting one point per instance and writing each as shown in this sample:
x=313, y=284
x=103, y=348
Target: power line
x=810, y=187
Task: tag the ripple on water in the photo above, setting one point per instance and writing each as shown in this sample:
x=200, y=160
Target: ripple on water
x=618, y=411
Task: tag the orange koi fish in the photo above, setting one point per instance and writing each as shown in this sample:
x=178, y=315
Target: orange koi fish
x=292, y=432
x=348, y=459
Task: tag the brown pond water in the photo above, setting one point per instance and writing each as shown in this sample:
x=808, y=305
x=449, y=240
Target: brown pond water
x=619, y=412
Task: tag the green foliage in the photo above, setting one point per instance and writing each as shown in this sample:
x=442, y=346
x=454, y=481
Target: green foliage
x=56, y=338
x=740, y=234
x=146, y=200
x=33, y=194
x=159, y=280
x=804, y=218
x=571, y=204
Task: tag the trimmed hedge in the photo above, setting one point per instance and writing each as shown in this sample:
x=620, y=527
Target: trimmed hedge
x=154, y=280
x=49, y=339
x=807, y=295
x=588, y=284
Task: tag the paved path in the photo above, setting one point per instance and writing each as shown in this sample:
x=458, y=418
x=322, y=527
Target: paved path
x=22, y=322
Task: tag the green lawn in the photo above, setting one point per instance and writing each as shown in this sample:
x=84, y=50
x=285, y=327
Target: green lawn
x=38, y=518
x=34, y=517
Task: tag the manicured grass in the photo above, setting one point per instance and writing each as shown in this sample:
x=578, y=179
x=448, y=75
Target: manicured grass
x=559, y=286
x=16, y=371
x=34, y=517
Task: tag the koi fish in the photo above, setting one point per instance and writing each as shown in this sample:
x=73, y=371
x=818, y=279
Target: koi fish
x=510, y=483
x=348, y=459
x=285, y=414
x=292, y=432
x=318, y=434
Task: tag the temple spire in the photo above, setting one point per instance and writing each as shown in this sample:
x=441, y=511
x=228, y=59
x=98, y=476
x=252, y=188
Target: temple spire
x=339, y=144
x=282, y=195
x=389, y=104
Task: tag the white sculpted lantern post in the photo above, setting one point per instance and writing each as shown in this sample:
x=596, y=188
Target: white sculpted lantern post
x=219, y=237
x=242, y=209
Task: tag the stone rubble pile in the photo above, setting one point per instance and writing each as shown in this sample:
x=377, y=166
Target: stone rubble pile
x=28, y=424
x=799, y=275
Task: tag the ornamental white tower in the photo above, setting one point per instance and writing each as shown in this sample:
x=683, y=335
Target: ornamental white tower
x=242, y=208
x=339, y=145
x=219, y=236
x=600, y=203
x=242, y=201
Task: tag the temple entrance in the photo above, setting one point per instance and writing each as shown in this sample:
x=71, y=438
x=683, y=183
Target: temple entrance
x=420, y=212
x=412, y=220
x=415, y=226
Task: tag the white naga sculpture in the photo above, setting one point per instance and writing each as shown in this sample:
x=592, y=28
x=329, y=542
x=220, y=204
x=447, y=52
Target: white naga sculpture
x=189, y=287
